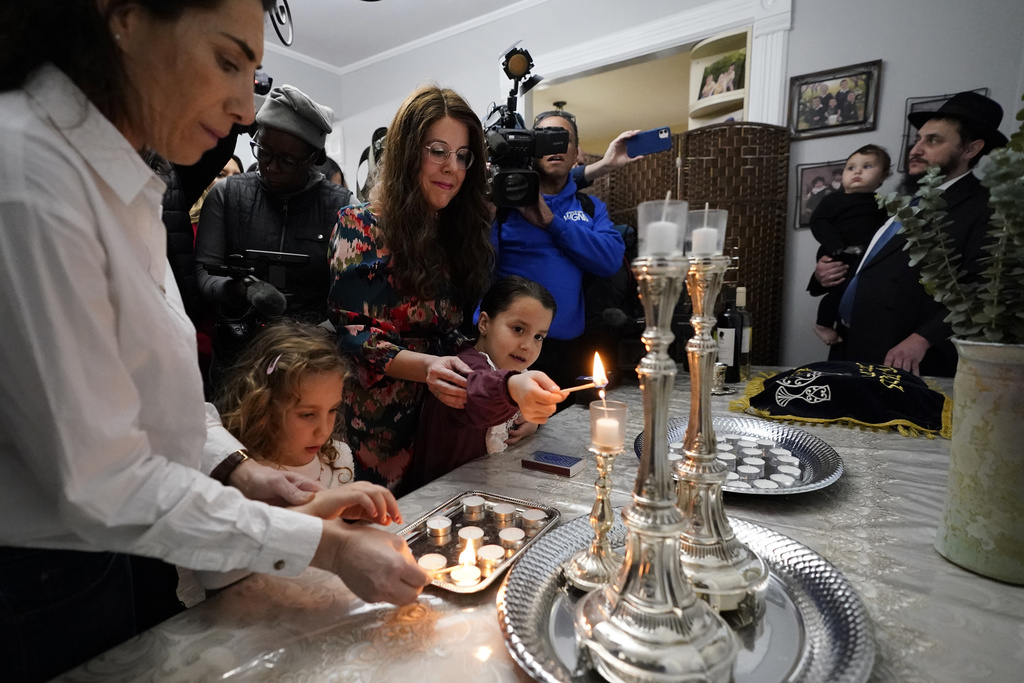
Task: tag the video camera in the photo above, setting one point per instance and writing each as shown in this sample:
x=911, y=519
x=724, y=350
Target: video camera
x=511, y=146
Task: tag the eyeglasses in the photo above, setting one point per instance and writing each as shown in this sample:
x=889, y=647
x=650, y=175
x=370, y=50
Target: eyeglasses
x=438, y=152
x=285, y=163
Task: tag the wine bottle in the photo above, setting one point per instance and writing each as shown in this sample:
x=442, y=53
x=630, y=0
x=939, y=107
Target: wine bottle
x=744, y=333
x=728, y=334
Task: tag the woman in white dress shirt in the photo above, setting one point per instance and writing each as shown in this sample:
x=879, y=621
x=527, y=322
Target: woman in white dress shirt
x=106, y=447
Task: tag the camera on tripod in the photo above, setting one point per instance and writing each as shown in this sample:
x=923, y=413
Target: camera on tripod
x=511, y=146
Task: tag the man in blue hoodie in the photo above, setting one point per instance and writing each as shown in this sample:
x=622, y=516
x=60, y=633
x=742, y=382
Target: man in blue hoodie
x=556, y=241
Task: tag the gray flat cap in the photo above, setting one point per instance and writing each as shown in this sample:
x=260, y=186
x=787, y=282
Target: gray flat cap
x=291, y=110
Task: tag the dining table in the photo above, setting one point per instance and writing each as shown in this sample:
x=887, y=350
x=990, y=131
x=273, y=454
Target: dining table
x=930, y=620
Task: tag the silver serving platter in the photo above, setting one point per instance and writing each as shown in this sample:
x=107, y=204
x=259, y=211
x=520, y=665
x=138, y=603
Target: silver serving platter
x=821, y=465
x=420, y=542
x=815, y=627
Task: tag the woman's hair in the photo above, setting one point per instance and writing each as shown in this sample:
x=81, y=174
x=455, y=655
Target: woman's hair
x=505, y=291
x=455, y=247
x=265, y=383
x=75, y=36
x=879, y=153
x=238, y=163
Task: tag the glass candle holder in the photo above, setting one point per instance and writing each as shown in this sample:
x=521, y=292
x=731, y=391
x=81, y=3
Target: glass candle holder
x=661, y=227
x=705, y=232
x=607, y=425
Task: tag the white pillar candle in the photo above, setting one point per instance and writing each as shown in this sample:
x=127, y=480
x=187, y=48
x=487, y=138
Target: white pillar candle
x=606, y=433
x=660, y=239
x=704, y=242
x=432, y=562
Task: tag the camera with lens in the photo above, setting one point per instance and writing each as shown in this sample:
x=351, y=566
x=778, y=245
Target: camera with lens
x=511, y=146
x=261, y=83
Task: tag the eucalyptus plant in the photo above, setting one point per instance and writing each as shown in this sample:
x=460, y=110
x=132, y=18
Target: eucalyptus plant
x=988, y=305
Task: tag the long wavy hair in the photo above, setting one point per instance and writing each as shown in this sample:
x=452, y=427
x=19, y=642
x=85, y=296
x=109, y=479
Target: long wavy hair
x=456, y=246
x=265, y=382
x=75, y=36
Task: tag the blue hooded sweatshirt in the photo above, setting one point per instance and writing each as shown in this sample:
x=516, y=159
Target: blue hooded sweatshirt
x=557, y=257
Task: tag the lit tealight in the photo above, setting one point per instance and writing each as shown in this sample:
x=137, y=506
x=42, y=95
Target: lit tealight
x=511, y=537
x=465, y=575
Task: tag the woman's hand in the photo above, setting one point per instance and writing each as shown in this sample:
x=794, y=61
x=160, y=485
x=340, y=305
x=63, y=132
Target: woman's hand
x=446, y=379
x=520, y=430
x=536, y=394
x=358, y=501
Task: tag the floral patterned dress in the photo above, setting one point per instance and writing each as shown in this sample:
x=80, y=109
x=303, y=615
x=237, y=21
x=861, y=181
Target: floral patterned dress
x=375, y=320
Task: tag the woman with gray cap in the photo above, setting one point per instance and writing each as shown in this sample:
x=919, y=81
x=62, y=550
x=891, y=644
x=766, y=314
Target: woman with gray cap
x=106, y=448
x=287, y=205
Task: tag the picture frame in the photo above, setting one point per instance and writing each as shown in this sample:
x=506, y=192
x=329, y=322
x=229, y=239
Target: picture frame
x=807, y=199
x=856, y=85
x=726, y=74
x=916, y=104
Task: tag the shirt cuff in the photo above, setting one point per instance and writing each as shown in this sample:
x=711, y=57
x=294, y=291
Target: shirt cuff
x=290, y=544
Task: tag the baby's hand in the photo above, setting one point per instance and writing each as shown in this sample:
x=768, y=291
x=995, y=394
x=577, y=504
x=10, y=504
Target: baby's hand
x=536, y=394
x=358, y=501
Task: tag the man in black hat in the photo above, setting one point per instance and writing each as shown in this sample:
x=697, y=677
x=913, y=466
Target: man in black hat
x=886, y=315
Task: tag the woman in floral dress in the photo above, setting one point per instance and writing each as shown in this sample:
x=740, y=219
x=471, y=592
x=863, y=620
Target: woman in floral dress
x=407, y=267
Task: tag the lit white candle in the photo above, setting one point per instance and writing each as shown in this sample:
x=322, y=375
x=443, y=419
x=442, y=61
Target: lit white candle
x=660, y=239
x=704, y=242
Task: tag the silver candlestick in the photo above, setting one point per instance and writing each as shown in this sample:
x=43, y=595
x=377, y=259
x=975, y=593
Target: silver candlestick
x=648, y=624
x=723, y=570
x=595, y=566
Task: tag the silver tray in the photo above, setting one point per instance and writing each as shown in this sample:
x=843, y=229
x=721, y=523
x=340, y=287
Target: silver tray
x=420, y=542
x=815, y=628
x=822, y=466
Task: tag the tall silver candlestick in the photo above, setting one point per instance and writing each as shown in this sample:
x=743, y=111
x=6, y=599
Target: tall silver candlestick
x=648, y=624
x=723, y=570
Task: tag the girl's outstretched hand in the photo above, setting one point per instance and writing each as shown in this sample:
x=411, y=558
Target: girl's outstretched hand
x=358, y=501
x=536, y=394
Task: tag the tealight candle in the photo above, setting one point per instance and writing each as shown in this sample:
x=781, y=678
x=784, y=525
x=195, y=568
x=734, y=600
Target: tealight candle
x=790, y=460
x=783, y=480
x=473, y=504
x=747, y=473
x=731, y=478
x=534, y=518
x=465, y=575
x=764, y=484
x=511, y=537
x=731, y=438
x=728, y=459
x=755, y=462
x=725, y=448
x=504, y=511
x=491, y=554
x=791, y=471
x=432, y=562
x=439, y=526
x=740, y=485
x=779, y=452
x=471, y=534
x=746, y=443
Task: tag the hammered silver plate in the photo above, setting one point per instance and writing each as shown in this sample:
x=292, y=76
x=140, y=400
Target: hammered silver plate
x=815, y=628
x=821, y=465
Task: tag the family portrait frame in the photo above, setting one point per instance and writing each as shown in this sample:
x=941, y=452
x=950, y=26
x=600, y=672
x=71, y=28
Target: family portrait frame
x=834, y=101
x=808, y=191
x=916, y=104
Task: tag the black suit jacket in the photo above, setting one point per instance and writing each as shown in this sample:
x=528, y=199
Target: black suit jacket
x=891, y=303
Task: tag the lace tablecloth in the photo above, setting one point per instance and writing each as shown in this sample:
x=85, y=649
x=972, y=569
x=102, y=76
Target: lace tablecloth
x=933, y=621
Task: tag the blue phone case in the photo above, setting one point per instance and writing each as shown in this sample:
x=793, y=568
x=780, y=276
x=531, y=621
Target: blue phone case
x=649, y=142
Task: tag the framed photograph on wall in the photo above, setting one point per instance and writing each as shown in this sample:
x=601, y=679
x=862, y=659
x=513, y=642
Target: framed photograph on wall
x=835, y=101
x=915, y=104
x=814, y=181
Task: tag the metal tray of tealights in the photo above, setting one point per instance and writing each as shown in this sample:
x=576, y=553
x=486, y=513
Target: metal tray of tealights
x=821, y=466
x=451, y=545
x=814, y=629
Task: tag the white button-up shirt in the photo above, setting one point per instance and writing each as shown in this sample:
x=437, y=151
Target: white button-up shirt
x=104, y=435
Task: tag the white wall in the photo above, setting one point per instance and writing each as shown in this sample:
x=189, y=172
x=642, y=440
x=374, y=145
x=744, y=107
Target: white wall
x=928, y=48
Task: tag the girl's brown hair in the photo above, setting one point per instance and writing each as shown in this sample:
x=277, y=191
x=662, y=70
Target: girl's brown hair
x=455, y=247
x=265, y=383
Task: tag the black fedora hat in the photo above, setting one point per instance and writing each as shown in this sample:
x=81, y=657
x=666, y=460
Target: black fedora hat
x=981, y=113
